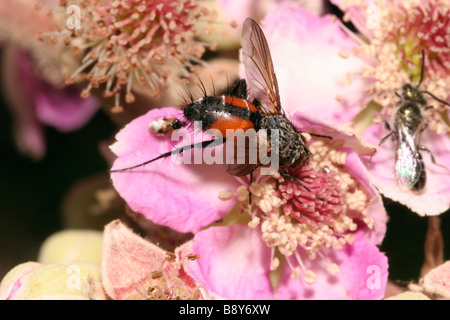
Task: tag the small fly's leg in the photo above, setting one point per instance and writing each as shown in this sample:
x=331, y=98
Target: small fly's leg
x=289, y=176
x=433, y=160
x=203, y=144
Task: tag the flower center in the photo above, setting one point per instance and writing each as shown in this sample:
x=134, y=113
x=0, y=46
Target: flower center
x=426, y=27
x=393, y=53
x=318, y=222
x=295, y=221
x=144, y=26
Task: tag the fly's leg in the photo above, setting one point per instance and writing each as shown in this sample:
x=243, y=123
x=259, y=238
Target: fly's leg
x=289, y=176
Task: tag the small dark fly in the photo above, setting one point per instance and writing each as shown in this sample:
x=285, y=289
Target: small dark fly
x=257, y=108
x=408, y=125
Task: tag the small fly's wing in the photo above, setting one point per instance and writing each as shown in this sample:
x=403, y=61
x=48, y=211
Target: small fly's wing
x=246, y=151
x=409, y=166
x=262, y=82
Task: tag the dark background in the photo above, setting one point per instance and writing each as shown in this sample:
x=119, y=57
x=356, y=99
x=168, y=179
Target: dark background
x=31, y=193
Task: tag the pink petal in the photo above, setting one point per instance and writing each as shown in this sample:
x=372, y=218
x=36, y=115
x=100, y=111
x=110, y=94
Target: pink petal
x=33, y=102
x=239, y=10
x=63, y=108
x=18, y=89
x=234, y=262
x=343, y=137
x=435, y=198
x=361, y=19
x=376, y=211
x=305, y=51
x=363, y=275
x=184, y=197
x=127, y=260
x=437, y=281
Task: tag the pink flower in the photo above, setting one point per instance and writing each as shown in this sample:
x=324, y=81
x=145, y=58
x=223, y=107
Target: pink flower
x=314, y=252
x=235, y=264
x=34, y=102
x=127, y=47
x=397, y=32
x=318, y=243
x=362, y=78
x=187, y=198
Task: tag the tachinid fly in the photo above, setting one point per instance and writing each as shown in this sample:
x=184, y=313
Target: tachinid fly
x=258, y=108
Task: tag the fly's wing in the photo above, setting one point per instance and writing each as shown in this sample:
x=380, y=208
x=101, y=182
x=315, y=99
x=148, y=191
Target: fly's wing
x=409, y=166
x=262, y=82
x=246, y=151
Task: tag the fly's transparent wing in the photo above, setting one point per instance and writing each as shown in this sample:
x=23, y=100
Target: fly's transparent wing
x=262, y=82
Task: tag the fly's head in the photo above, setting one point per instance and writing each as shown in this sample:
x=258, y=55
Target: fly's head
x=409, y=93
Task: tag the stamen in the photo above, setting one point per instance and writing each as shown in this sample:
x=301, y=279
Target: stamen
x=310, y=277
x=294, y=222
x=124, y=40
x=394, y=57
x=172, y=282
x=333, y=269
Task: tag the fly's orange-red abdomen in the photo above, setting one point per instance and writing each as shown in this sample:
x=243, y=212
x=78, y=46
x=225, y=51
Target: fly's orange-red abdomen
x=231, y=123
x=222, y=113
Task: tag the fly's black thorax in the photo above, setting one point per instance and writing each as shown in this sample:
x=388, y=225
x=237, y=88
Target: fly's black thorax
x=210, y=109
x=291, y=146
x=206, y=110
x=409, y=116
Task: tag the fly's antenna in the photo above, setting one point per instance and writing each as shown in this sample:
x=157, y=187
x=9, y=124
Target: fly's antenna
x=422, y=69
x=436, y=98
x=422, y=72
